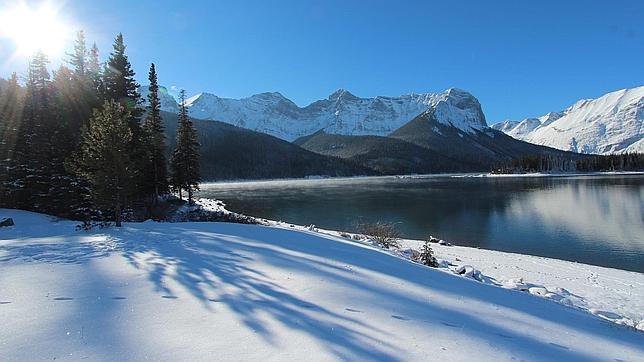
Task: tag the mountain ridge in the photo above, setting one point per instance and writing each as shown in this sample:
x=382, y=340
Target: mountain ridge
x=340, y=113
x=612, y=123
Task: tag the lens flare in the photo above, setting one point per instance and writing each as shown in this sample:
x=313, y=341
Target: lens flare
x=33, y=29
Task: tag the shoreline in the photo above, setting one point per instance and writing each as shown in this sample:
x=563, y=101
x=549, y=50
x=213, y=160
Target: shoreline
x=312, y=179
x=612, y=294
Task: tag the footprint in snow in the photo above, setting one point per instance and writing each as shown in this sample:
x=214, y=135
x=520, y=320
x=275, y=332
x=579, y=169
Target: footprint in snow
x=504, y=335
x=5, y=303
x=63, y=298
x=214, y=300
x=169, y=297
x=118, y=298
x=399, y=317
x=352, y=310
x=450, y=325
x=558, y=345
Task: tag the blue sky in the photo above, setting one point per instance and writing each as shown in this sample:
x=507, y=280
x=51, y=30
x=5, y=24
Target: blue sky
x=520, y=58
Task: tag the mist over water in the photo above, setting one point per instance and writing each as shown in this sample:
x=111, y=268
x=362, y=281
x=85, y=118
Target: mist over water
x=590, y=219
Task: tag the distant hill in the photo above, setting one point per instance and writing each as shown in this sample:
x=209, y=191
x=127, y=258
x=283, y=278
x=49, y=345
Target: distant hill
x=383, y=154
x=229, y=152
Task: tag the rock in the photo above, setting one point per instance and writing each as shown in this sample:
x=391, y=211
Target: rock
x=470, y=272
x=6, y=222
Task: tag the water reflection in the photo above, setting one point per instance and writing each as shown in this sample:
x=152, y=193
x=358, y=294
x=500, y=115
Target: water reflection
x=596, y=220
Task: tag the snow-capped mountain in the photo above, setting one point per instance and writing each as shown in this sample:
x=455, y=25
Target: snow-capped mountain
x=168, y=102
x=613, y=123
x=340, y=113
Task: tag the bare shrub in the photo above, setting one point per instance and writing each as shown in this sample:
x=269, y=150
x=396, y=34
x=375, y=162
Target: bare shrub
x=382, y=233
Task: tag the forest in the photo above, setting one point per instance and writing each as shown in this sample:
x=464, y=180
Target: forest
x=78, y=143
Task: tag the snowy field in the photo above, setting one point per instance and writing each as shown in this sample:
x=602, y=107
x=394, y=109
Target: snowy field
x=215, y=291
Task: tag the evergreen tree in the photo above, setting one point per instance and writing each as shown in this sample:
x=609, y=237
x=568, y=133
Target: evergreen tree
x=11, y=107
x=105, y=159
x=119, y=85
x=119, y=82
x=185, y=157
x=78, y=59
x=427, y=255
x=155, y=140
x=10, y=115
x=94, y=71
x=33, y=150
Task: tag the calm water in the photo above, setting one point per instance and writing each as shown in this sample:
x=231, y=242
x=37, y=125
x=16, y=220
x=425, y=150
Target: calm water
x=590, y=219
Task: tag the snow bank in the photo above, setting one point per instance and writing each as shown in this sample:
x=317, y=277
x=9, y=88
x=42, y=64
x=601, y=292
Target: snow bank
x=198, y=291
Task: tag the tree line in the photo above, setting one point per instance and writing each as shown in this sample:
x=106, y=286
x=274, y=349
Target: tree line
x=579, y=163
x=79, y=143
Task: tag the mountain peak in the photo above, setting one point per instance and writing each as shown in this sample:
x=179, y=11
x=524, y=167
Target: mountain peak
x=460, y=109
x=270, y=95
x=341, y=94
x=612, y=123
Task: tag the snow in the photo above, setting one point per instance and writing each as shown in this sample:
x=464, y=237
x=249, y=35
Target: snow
x=341, y=113
x=613, y=123
x=191, y=291
x=167, y=102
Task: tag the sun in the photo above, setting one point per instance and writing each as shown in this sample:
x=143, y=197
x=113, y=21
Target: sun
x=33, y=29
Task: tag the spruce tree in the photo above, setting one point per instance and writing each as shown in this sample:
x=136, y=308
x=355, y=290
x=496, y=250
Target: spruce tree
x=427, y=255
x=94, y=71
x=185, y=157
x=105, y=160
x=119, y=82
x=119, y=85
x=11, y=107
x=155, y=140
x=33, y=149
x=78, y=59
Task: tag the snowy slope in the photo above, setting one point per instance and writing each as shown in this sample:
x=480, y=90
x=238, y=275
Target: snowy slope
x=168, y=102
x=341, y=113
x=613, y=123
x=203, y=291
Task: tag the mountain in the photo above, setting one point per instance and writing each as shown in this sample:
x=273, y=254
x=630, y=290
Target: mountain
x=385, y=155
x=340, y=113
x=229, y=152
x=168, y=102
x=613, y=123
x=449, y=136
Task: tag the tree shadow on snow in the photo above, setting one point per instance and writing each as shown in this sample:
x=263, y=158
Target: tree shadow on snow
x=218, y=263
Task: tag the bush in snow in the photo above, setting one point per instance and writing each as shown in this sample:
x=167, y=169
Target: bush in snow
x=427, y=257
x=382, y=233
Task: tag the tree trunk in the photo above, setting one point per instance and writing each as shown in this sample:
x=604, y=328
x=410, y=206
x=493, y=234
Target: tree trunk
x=156, y=183
x=180, y=194
x=189, y=195
x=117, y=211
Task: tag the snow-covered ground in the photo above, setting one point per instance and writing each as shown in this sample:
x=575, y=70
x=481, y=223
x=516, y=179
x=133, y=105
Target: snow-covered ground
x=217, y=291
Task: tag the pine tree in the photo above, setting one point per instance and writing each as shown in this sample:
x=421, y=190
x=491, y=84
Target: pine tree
x=427, y=255
x=10, y=115
x=105, y=160
x=33, y=149
x=78, y=59
x=185, y=157
x=119, y=85
x=11, y=107
x=94, y=71
x=155, y=140
x=119, y=82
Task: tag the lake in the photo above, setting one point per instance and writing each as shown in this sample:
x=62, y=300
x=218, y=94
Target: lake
x=594, y=219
